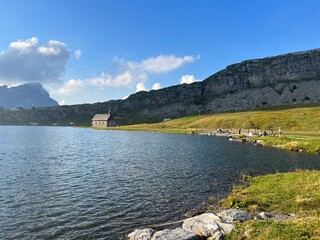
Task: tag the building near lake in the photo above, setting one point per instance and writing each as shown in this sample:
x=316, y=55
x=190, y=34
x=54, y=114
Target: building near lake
x=103, y=120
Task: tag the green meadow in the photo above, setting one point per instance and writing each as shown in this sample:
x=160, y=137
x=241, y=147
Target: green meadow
x=300, y=126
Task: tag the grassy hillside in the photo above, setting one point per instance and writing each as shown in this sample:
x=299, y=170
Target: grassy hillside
x=300, y=126
x=294, y=119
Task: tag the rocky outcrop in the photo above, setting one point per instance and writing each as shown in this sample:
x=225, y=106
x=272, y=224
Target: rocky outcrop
x=204, y=226
x=208, y=226
x=25, y=96
x=281, y=80
x=233, y=215
x=175, y=234
x=142, y=234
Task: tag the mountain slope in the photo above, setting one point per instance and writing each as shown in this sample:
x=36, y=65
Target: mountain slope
x=287, y=79
x=25, y=96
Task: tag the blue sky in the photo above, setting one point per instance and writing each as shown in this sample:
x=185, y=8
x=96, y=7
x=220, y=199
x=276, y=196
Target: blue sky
x=92, y=51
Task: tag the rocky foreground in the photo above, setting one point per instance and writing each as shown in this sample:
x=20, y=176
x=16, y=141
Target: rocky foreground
x=205, y=226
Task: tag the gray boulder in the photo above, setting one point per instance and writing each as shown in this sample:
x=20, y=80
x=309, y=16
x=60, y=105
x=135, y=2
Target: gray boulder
x=226, y=228
x=204, y=225
x=141, y=234
x=175, y=234
x=234, y=215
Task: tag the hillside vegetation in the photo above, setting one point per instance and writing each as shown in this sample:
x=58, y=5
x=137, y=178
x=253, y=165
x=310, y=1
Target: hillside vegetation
x=294, y=119
x=300, y=126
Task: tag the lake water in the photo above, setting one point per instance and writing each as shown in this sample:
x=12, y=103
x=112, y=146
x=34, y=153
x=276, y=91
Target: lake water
x=76, y=183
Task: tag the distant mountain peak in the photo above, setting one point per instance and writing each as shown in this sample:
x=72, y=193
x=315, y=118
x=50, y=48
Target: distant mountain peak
x=25, y=96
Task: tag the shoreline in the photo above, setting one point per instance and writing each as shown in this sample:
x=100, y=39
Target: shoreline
x=237, y=217
x=295, y=141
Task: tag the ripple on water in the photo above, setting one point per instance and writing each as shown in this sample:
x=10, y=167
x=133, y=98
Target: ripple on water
x=74, y=183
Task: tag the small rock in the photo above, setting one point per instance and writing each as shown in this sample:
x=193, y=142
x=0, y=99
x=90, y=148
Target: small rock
x=175, y=234
x=233, y=215
x=141, y=234
x=204, y=225
x=226, y=228
x=262, y=216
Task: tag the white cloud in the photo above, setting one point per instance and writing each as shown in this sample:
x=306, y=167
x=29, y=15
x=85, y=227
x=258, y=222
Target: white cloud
x=70, y=87
x=141, y=87
x=28, y=61
x=105, y=80
x=165, y=63
x=156, y=86
x=77, y=54
x=62, y=102
x=188, y=79
x=24, y=45
x=130, y=72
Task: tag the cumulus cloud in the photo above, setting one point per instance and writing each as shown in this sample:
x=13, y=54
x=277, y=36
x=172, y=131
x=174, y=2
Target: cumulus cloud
x=141, y=87
x=156, y=86
x=28, y=61
x=77, y=54
x=105, y=80
x=131, y=72
x=188, y=79
x=71, y=86
x=165, y=63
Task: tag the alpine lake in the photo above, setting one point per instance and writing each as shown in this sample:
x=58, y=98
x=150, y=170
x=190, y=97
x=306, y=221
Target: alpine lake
x=77, y=183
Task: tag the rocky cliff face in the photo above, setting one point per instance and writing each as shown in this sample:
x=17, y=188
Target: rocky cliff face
x=281, y=80
x=25, y=96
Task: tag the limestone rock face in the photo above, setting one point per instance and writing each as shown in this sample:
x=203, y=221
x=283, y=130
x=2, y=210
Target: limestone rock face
x=287, y=79
x=175, y=234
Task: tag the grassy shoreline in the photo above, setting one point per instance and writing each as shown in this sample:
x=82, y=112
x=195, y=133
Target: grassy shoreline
x=294, y=193
x=300, y=126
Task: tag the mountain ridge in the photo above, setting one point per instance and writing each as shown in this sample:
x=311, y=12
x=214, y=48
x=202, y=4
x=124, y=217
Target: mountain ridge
x=292, y=78
x=25, y=96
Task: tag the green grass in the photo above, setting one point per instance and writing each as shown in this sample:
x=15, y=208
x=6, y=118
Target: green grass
x=295, y=119
x=300, y=126
x=263, y=230
x=305, y=142
x=297, y=192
